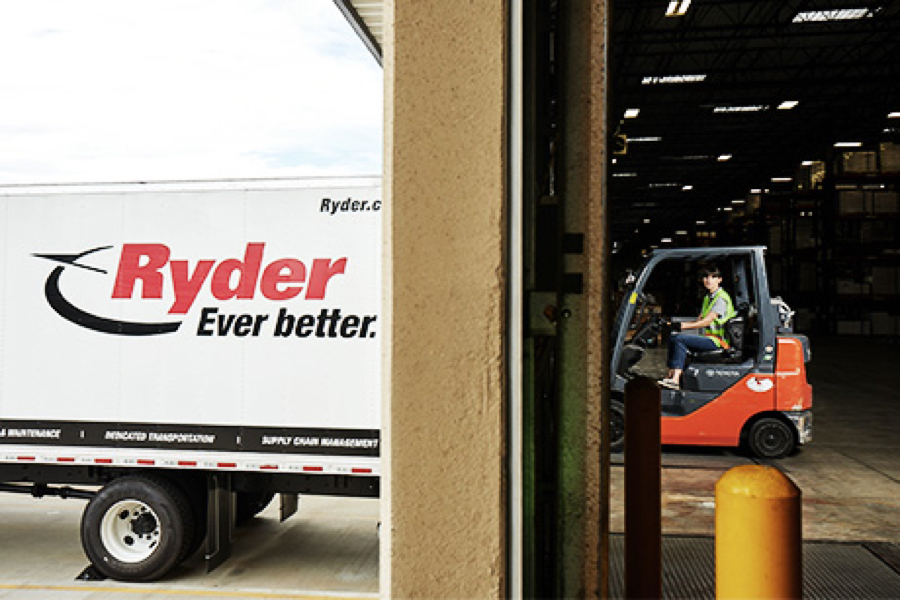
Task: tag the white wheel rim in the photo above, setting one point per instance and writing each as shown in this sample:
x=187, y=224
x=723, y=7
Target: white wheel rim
x=130, y=531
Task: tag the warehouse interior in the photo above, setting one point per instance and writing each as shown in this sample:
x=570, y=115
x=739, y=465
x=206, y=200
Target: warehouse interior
x=768, y=123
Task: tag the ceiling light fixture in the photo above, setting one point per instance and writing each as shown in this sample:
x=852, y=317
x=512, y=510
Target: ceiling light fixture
x=738, y=201
x=807, y=163
x=646, y=220
x=788, y=104
x=841, y=14
x=646, y=139
x=681, y=232
x=847, y=144
x=632, y=113
x=894, y=115
x=669, y=79
x=741, y=109
x=701, y=222
x=781, y=180
x=756, y=191
x=678, y=8
x=687, y=188
x=624, y=174
x=724, y=157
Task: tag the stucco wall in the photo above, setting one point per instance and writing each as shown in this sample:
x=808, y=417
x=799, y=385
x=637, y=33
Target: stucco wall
x=444, y=497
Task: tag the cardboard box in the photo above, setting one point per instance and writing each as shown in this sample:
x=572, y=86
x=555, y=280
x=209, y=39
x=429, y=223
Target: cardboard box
x=889, y=155
x=883, y=323
x=853, y=327
x=859, y=162
x=851, y=202
x=877, y=230
x=810, y=177
x=885, y=280
x=885, y=202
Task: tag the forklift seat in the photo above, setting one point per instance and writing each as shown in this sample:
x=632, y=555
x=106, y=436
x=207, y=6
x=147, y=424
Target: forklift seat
x=735, y=331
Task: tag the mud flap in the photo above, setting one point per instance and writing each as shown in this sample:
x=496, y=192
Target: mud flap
x=289, y=504
x=220, y=502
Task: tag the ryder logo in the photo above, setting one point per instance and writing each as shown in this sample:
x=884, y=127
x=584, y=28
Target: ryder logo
x=148, y=272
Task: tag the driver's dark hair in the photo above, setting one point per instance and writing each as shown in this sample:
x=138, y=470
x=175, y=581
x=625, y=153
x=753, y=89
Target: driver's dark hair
x=710, y=270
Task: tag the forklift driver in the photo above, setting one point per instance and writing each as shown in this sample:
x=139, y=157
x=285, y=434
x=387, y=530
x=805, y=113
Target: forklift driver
x=717, y=310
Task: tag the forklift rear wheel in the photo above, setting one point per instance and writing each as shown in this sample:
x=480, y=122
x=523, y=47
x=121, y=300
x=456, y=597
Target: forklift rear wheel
x=137, y=528
x=771, y=438
x=616, y=426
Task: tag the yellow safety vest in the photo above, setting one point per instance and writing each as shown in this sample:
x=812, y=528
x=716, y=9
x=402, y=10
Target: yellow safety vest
x=716, y=329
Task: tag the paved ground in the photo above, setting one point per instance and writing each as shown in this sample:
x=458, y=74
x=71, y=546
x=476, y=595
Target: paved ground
x=849, y=475
x=328, y=549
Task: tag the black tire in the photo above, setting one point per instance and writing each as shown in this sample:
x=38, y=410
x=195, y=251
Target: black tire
x=137, y=528
x=771, y=438
x=250, y=504
x=616, y=426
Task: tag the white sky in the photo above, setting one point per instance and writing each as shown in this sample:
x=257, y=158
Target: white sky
x=127, y=90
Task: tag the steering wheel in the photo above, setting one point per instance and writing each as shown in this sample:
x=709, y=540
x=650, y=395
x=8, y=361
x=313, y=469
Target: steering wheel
x=648, y=331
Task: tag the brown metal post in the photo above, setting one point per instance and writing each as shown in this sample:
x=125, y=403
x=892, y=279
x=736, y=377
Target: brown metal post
x=643, y=467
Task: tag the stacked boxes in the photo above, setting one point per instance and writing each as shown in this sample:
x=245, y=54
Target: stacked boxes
x=810, y=177
x=858, y=163
x=890, y=158
x=838, y=255
x=852, y=202
x=885, y=280
x=868, y=202
x=885, y=202
x=883, y=323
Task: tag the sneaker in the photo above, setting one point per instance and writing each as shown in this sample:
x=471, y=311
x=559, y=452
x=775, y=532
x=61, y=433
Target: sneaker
x=668, y=383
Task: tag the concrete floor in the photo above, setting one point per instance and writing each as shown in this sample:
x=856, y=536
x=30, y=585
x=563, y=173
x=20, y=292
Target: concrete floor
x=329, y=549
x=849, y=475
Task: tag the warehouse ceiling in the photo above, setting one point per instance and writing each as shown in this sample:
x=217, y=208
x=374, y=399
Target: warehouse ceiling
x=733, y=94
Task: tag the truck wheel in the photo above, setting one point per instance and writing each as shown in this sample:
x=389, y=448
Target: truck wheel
x=250, y=504
x=616, y=426
x=771, y=438
x=137, y=528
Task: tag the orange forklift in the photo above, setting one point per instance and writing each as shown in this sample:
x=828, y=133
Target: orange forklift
x=753, y=394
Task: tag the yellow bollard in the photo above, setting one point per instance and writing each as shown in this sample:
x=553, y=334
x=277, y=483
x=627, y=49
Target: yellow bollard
x=759, y=551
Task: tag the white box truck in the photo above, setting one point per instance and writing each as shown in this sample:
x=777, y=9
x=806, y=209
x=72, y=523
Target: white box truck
x=185, y=351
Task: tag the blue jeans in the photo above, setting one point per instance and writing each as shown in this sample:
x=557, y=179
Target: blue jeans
x=682, y=343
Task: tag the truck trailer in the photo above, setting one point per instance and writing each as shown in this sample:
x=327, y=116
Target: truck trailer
x=178, y=353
